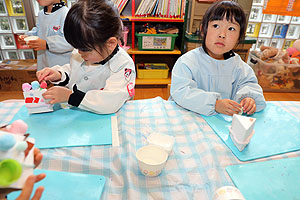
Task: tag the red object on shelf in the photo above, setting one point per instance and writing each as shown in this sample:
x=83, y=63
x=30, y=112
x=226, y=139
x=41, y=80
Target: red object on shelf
x=19, y=46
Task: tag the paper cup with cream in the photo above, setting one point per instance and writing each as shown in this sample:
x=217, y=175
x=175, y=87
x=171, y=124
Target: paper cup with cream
x=151, y=159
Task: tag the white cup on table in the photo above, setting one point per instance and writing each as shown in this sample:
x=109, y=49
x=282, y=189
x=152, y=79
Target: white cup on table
x=228, y=193
x=151, y=159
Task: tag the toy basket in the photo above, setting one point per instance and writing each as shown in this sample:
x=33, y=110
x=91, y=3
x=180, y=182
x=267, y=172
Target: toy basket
x=162, y=42
x=275, y=76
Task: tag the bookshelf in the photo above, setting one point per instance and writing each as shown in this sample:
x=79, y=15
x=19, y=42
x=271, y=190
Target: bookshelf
x=133, y=22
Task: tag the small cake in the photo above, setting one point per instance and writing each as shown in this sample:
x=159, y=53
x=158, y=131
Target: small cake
x=16, y=155
x=34, y=100
x=241, y=130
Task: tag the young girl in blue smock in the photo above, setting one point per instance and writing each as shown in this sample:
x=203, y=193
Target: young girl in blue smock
x=213, y=79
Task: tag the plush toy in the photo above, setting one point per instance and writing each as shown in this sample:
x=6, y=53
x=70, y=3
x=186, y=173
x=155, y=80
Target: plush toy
x=272, y=53
x=295, y=48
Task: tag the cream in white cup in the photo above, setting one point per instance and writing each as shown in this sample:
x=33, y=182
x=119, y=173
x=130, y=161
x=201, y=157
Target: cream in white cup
x=228, y=193
x=162, y=140
x=151, y=159
x=29, y=38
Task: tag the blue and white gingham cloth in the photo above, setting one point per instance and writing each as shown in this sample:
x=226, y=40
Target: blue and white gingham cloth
x=195, y=169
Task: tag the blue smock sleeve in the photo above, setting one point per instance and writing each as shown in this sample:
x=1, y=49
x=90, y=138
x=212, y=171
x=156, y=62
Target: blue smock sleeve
x=247, y=86
x=185, y=92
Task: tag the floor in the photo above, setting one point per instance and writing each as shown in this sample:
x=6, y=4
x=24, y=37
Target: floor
x=144, y=93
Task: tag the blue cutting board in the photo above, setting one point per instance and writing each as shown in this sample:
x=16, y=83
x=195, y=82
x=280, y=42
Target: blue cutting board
x=276, y=179
x=65, y=185
x=276, y=132
x=67, y=127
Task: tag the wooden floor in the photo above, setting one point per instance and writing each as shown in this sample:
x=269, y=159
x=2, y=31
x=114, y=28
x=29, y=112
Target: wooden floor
x=145, y=93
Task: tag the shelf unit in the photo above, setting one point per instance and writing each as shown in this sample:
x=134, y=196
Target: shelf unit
x=15, y=18
x=129, y=19
x=272, y=30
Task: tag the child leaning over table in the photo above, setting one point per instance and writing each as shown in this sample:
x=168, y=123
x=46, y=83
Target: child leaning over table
x=101, y=75
x=213, y=79
x=51, y=46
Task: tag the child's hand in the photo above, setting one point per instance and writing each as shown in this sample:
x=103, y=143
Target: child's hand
x=38, y=156
x=38, y=44
x=28, y=187
x=227, y=107
x=48, y=74
x=21, y=39
x=249, y=106
x=57, y=94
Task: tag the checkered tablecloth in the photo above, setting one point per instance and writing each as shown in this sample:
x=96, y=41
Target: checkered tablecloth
x=194, y=170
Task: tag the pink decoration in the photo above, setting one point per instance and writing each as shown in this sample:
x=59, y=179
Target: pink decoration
x=43, y=85
x=18, y=126
x=26, y=87
x=291, y=50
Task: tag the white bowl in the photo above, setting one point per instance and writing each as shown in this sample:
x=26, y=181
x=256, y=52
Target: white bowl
x=29, y=38
x=151, y=159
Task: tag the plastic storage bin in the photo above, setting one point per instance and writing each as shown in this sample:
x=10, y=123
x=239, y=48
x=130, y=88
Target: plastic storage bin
x=152, y=70
x=163, y=42
x=274, y=76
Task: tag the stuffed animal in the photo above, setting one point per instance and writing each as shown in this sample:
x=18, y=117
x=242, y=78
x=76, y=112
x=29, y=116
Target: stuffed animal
x=295, y=48
x=273, y=53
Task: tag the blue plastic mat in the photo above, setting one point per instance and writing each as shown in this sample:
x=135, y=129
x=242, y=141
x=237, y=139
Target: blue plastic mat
x=65, y=185
x=67, y=127
x=276, y=132
x=276, y=179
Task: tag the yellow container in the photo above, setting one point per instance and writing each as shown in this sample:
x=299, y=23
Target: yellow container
x=152, y=70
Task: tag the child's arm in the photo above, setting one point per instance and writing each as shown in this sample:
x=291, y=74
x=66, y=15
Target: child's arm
x=185, y=92
x=34, y=30
x=116, y=92
x=247, y=91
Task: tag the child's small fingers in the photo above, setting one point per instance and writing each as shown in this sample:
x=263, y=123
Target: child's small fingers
x=38, y=193
x=39, y=177
x=235, y=104
x=252, y=110
x=28, y=187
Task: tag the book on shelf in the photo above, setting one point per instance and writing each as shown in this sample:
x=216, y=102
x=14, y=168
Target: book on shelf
x=161, y=8
x=120, y=4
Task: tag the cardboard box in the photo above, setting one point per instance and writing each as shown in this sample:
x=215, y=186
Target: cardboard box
x=13, y=73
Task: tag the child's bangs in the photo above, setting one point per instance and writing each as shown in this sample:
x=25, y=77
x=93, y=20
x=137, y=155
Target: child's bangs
x=231, y=14
x=80, y=40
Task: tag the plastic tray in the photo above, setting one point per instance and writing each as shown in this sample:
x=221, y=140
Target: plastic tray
x=157, y=42
x=152, y=70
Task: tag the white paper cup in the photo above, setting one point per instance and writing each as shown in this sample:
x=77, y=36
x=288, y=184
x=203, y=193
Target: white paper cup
x=29, y=38
x=228, y=193
x=151, y=159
